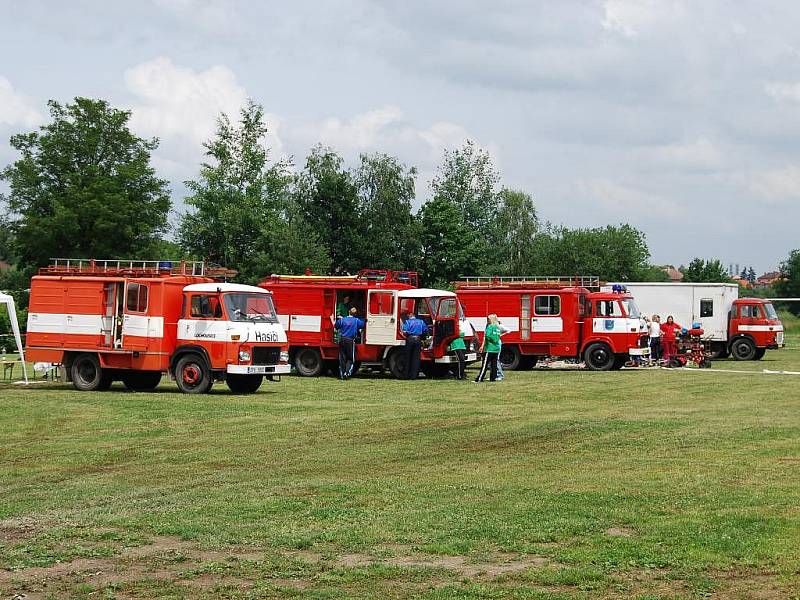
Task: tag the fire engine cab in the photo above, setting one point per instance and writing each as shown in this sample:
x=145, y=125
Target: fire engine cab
x=309, y=304
x=107, y=320
x=556, y=317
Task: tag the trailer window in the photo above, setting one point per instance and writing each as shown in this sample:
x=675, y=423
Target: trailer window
x=547, y=305
x=525, y=316
x=381, y=303
x=706, y=307
x=136, y=299
x=205, y=306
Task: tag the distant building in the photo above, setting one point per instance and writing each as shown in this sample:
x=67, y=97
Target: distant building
x=769, y=279
x=674, y=274
x=742, y=282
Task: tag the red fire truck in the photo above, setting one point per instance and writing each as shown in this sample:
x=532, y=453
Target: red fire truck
x=132, y=321
x=556, y=317
x=307, y=306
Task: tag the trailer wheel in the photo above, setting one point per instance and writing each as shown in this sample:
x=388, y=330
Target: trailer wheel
x=192, y=374
x=308, y=362
x=510, y=358
x=599, y=357
x=141, y=381
x=244, y=384
x=397, y=363
x=88, y=376
x=744, y=349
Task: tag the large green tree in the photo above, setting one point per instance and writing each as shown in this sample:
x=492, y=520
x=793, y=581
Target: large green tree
x=242, y=213
x=390, y=234
x=516, y=225
x=705, y=271
x=450, y=249
x=84, y=187
x=789, y=286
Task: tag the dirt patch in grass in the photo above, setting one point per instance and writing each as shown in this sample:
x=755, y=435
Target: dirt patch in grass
x=19, y=528
x=620, y=532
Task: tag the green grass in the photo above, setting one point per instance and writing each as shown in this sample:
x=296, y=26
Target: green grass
x=649, y=484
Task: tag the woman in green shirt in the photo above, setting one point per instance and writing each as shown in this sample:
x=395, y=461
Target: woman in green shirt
x=490, y=348
x=460, y=348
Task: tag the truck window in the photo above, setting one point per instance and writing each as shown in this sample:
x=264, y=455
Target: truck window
x=136, y=300
x=447, y=308
x=547, y=305
x=381, y=303
x=583, y=306
x=205, y=306
x=525, y=316
x=750, y=311
x=706, y=307
x=607, y=308
x=406, y=306
x=771, y=313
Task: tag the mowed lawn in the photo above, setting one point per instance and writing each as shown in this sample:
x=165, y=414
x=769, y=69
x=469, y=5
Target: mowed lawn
x=551, y=484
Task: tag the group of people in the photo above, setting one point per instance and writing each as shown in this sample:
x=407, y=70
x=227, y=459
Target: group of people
x=663, y=337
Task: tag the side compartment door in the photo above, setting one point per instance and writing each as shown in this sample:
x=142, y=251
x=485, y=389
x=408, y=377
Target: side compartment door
x=547, y=324
x=135, y=321
x=381, y=324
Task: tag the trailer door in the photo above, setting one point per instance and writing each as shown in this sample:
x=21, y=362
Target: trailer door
x=381, y=324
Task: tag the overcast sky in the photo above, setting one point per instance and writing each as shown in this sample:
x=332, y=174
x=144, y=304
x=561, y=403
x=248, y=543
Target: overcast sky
x=680, y=118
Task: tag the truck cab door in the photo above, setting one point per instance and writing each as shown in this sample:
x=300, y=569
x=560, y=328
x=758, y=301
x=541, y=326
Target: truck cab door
x=445, y=328
x=381, y=323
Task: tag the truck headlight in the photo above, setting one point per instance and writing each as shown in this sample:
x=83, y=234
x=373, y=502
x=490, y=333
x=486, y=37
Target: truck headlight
x=285, y=357
x=244, y=356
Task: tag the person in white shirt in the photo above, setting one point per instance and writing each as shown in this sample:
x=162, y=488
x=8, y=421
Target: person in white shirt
x=655, y=338
x=503, y=331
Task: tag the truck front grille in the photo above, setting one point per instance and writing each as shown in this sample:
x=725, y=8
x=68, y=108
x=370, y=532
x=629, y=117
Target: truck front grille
x=263, y=355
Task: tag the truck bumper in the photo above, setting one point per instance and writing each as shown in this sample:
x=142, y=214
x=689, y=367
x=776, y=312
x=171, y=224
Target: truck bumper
x=451, y=358
x=259, y=369
x=639, y=352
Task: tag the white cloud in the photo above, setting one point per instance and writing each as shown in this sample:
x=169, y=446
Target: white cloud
x=777, y=186
x=622, y=203
x=631, y=17
x=213, y=16
x=701, y=153
x=16, y=109
x=783, y=91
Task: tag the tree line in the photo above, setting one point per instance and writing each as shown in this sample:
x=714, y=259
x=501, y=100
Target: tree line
x=84, y=186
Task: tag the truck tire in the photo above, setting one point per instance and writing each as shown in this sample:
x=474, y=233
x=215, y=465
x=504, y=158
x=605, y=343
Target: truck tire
x=308, y=362
x=88, y=376
x=192, y=374
x=510, y=358
x=743, y=349
x=599, y=357
x=397, y=363
x=760, y=352
x=141, y=381
x=244, y=384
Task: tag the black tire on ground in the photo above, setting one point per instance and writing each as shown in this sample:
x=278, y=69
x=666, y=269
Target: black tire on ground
x=397, y=363
x=193, y=375
x=141, y=381
x=308, y=362
x=88, y=376
x=599, y=357
x=619, y=361
x=244, y=384
x=330, y=367
x=510, y=358
x=434, y=370
x=743, y=349
x=760, y=352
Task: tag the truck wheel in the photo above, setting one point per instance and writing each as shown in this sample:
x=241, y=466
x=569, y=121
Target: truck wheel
x=397, y=363
x=244, y=384
x=743, y=349
x=88, y=376
x=141, y=381
x=510, y=358
x=599, y=357
x=760, y=352
x=308, y=362
x=193, y=375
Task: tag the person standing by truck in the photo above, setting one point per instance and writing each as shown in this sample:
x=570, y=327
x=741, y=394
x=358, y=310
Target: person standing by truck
x=655, y=337
x=668, y=338
x=348, y=328
x=491, y=349
x=458, y=347
x=413, y=330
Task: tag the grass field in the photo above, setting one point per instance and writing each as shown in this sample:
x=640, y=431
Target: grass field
x=648, y=484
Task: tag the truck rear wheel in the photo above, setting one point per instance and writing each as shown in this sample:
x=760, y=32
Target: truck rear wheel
x=308, y=362
x=397, y=363
x=192, y=374
x=743, y=349
x=141, y=381
x=88, y=376
x=510, y=358
x=244, y=384
x=760, y=352
x=599, y=357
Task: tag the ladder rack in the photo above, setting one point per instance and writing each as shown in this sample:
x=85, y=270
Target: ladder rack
x=134, y=268
x=532, y=281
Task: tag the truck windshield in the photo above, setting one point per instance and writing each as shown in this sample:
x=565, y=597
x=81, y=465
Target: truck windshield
x=630, y=308
x=244, y=306
x=771, y=312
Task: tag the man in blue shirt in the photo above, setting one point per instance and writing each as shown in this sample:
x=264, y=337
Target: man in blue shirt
x=348, y=328
x=413, y=329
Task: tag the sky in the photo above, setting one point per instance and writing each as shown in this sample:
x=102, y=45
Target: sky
x=681, y=118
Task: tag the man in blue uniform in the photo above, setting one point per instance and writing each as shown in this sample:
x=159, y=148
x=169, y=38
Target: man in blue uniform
x=413, y=329
x=348, y=328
